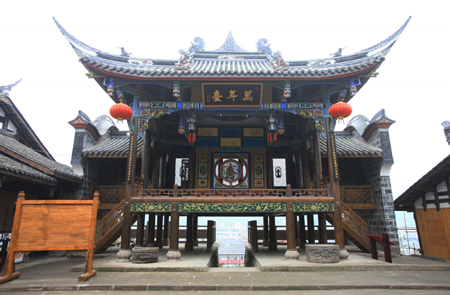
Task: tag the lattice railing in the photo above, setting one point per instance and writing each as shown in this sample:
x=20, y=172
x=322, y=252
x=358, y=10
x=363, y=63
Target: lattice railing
x=355, y=222
x=231, y=193
x=357, y=194
x=109, y=221
x=110, y=193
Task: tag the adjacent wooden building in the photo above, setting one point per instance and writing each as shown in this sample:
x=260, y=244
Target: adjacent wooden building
x=26, y=165
x=236, y=132
x=429, y=200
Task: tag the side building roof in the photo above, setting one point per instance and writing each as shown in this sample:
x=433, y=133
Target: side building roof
x=26, y=156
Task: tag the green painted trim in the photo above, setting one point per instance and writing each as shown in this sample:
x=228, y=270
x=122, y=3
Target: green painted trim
x=313, y=207
x=151, y=207
x=231, y=207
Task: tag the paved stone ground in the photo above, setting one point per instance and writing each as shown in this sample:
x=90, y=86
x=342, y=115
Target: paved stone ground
x=54, y=275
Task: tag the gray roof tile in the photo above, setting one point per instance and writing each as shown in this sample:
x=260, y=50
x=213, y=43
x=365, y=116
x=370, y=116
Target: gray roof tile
x=11, y=165
x=28, y=153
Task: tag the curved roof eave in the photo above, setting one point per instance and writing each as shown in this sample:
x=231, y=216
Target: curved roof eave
x=132, y=67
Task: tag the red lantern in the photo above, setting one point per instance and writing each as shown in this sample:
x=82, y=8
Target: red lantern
x=340, y=110
x=121, y=112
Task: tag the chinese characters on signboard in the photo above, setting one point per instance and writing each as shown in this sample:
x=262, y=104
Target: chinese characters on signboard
x=237, y=95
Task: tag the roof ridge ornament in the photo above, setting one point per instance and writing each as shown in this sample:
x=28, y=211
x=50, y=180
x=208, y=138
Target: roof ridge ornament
x=7, y=88
x=183, y=63
x=230, y=45
x=278, y=62
x=263, y=45
x=197, y=45
x=123, y=52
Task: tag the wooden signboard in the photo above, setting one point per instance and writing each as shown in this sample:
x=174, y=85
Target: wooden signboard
x=232, y=95
x=49, y=225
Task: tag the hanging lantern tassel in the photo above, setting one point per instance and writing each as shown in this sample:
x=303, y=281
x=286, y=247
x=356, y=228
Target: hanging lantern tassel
x=194, y=138
x=275, y=137
x=340, y=110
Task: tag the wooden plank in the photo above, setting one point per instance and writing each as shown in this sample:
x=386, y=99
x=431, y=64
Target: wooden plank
x=434, y=227
x=49, y=225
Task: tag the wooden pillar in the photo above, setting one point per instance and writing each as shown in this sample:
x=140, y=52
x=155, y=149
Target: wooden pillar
x=305, y=165
x=173, y=252
x=323, y=239
x=155, y=164
x=317, y=159
x=162, y=168
x=269, y=165
x=334, y=182
x=125, y=252
x=302, y=230
x=195, y=230
x=266, y=230
x=298, y=168
x=311, y=234
x=158, y=242
x=273, y=234
x=189, y=246
x=166, y=230
x=291, y=252
x=192, y=175
x=140, y=230
x=151, y=230
x=146, y=159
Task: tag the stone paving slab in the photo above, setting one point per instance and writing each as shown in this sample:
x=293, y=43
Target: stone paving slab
x=57, y=275
x=190, y=261
x=271, y=261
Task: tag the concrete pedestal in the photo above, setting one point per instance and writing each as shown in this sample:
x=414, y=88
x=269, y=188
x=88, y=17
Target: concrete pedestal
x=322, y=253
x=145, y=254
x=173, y=255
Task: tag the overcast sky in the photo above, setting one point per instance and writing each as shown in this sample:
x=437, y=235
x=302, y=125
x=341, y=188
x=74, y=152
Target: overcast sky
x=412, y=84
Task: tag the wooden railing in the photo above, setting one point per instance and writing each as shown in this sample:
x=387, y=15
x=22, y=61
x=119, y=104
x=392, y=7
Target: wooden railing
x=230, y=193
x=358, y=225
x=357, y=194
x=109, y=221
x=110, y=193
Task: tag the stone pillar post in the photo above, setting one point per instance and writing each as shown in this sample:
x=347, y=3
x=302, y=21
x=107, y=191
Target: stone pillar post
x=159, y=227
x=166, y=230
x=151, y=230
x=189, y=246
x=266, y=230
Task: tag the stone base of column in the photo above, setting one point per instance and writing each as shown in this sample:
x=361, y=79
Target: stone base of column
x=292, y=254
x=165, y=242
x=265, y=242
x=195, y=242
x=173, y=255
x=124, y=255
x=302, y=245
x=273, y=247
x=189, y=246
x=343, y=254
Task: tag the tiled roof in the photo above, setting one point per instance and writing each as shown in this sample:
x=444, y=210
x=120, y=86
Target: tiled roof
x=232, y=61
x=11, y=165
x=113, y=147
x=31, y=155
x=405, y=202
x=348, y=146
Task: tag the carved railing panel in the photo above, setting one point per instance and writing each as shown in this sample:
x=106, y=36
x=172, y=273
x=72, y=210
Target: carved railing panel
x=357, y=194
x=352, y=219
x=110, y=193
x=109, y=221
x=230, y=193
